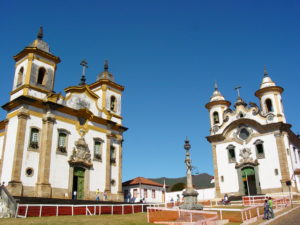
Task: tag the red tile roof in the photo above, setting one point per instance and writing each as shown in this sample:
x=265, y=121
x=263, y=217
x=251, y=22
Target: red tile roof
x=141, y=180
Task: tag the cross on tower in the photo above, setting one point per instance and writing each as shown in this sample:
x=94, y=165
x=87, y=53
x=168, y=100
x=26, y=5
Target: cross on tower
x=84, y=66
x=238, y=90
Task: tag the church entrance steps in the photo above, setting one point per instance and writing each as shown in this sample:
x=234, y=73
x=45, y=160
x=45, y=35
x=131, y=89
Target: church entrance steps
x=39, y=210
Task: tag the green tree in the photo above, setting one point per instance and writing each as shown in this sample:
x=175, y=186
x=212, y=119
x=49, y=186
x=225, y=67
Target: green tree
x=178, y=187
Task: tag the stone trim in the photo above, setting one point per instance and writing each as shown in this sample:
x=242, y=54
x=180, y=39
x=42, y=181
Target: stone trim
x=15, y=185
x=6, y=121
x=107, y=164
x=43, y=186
x=216, y=172
x=283, y=161
x=120, y=166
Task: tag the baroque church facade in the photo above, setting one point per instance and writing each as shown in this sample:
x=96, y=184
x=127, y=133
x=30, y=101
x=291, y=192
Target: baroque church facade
x=254, y=149
x=52, y=145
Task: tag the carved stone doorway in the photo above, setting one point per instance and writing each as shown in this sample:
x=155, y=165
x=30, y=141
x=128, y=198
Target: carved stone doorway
x=249, y=181
x=78, y=182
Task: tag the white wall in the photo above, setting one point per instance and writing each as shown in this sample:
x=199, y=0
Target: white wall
x=203, y=194
x=140, y=189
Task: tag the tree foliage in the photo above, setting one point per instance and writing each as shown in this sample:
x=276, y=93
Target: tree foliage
x=178, y=187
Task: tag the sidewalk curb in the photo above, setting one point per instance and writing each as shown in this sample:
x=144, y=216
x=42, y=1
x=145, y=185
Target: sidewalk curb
x=283, y=214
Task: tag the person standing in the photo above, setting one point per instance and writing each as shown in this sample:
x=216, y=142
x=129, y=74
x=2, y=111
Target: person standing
x=97, y=195
x=266, y=210
x=74, y=195
x=270, y=201
x=105, y=196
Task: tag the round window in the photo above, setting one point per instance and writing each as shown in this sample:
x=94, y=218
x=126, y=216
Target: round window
x=29, y=172
x=244, y=134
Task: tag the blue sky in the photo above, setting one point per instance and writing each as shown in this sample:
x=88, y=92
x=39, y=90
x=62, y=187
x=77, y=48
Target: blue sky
x=167, y=54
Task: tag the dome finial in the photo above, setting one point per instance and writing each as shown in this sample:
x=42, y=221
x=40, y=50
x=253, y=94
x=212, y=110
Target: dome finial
x=106, y=65
x=266, y=74
x=216, y=85
x=40, y=33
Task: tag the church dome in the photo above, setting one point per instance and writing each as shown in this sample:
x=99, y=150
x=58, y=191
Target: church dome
x=216, y=96
x=40, y=43
x=267, y=81
x=105, y=75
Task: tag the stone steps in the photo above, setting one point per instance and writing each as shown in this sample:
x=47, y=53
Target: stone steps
x=4, y=210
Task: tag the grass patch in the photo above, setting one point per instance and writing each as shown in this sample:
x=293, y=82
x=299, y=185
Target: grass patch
x=128, y=219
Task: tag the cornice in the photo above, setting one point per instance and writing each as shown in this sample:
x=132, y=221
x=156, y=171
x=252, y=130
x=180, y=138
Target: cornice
x=260, y=92
x=38, y=51
x=107, y=82
x=220, y=102
x=85, y=113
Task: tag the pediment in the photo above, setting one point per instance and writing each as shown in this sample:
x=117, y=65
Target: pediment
x=259, y=128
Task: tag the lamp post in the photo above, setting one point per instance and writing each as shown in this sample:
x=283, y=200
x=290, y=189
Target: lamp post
x=190, y=194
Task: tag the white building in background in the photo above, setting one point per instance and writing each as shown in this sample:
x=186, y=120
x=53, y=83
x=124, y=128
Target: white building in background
x=254, y=149
x=203, y=195
x=52, y=145
x=141, y=189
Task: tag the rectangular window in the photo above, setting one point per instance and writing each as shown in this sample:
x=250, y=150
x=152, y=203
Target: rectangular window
x=145, y=193
x=231, y=155
x=260, y=151
x=97, y=149
x=153, y=193
x=62, y=142
x=299, y=154
x=34, y=138
x=112, y=154
x=295, y=154
x=135, y=194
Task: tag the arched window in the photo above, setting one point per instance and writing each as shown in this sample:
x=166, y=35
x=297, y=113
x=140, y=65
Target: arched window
x=113, y=103
x=269, y=105
x=41, y=76
x=34, y=138
x=20, y=76
x=216, y=117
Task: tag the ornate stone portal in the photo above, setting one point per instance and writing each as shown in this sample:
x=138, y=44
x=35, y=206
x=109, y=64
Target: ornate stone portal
x=81, y=154
x=190, y=194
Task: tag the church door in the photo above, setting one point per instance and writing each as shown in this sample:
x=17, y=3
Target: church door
x=248, y=176
x=78, y=182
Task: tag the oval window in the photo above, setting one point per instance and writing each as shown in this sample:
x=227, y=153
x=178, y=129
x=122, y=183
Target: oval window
x=244, y=134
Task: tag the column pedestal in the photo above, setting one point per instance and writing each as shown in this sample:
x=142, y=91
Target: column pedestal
x=43, y=190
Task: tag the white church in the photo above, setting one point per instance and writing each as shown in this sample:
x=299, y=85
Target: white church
x=53, y=145
x=254, y=149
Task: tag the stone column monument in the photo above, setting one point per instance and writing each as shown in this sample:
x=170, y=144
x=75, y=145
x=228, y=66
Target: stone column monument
x=190, y=194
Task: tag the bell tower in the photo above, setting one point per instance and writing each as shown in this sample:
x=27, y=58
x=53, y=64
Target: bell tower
x=269, y=95
x=216, y=108
x=34, y=70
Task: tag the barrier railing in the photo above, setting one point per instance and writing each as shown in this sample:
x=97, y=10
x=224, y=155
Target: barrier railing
x=38, y=210
x=259, y=200
x=176, y=216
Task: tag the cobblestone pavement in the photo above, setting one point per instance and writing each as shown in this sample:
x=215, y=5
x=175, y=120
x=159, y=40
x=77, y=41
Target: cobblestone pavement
x=292, y=218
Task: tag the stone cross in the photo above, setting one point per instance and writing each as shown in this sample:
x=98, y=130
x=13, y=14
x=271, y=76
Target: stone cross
x=238, y=90
x=84, y=66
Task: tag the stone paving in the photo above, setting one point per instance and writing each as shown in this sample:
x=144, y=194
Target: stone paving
x=291, y=218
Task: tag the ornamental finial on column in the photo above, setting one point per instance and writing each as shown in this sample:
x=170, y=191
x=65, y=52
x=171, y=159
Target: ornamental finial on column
x=40, y=33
